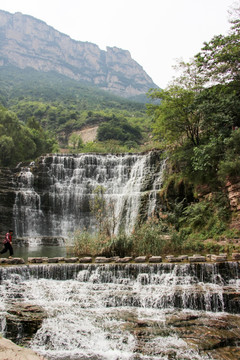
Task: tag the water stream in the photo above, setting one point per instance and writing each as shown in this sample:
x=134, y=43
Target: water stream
x=128, y=312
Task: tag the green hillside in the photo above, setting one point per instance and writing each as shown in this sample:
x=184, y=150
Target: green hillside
x=25, y=92
x=62, y=105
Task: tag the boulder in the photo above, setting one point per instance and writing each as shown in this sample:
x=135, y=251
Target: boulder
x=102, y=259
x=53, y=260
x=219, y=258
x=125, y=259
x=10, y=351
x=183, y=257
x=12, y=261
x=71, y=260
x=22, y=321
x=173, y=259
x=155, y=259
x=140, y=259
x=236, y=256
x=197, y=258
x=86, y=259
x=36, y=260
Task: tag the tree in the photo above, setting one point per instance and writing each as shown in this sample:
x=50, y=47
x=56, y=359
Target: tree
x=6, y=149
x=18, y=142
x=119, y=129
x=218, y=60
x=196, y=115
x=176, y=119
x=75, y=141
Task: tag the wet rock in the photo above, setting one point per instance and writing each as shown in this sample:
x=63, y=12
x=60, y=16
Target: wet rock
x=211, y=335
x=232, y=301
x=23, y=321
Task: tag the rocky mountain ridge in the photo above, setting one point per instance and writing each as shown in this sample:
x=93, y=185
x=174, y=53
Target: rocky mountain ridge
x=28, y=42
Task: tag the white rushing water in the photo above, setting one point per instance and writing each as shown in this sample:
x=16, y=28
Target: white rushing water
x=97, y=312
x=53, y=197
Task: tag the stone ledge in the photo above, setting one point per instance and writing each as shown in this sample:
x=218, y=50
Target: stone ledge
x=127, y=259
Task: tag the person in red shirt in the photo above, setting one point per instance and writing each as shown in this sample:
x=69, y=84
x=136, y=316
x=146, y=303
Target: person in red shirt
x=7, y=243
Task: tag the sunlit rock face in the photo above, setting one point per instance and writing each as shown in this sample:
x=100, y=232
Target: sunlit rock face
x=28, y=42
x=54, y=195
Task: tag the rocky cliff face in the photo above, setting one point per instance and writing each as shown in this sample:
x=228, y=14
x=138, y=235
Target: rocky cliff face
x=29, y=42
x=7, y=199
x=233, y=190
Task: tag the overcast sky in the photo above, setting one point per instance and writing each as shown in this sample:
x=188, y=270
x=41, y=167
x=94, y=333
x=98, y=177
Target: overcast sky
x=156, y=32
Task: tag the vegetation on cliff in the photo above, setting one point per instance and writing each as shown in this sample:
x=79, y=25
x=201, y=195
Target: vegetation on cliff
x=64, y=106
x=197, y=122
x=20, y=142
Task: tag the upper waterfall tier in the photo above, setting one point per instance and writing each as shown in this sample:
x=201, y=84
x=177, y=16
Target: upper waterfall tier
x=53, y=196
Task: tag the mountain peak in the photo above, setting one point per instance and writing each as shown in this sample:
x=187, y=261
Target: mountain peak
x=28, y=42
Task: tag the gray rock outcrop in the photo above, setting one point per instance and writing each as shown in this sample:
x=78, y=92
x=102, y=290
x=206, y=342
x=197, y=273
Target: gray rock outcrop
x=28, y=42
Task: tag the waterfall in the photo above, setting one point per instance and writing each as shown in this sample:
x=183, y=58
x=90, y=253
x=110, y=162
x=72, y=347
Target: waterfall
x=121, y=312
x=53, y=196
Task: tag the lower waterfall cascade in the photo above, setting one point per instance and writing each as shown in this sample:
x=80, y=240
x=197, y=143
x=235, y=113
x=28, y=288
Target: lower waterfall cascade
x=127, y=311
x=53, y=195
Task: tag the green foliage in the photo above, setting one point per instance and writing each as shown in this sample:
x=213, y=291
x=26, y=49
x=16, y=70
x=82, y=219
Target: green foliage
x=219, y=58
x=121, y=130
x=19, y=142
x=7, y=148
x=75, y=142
x=110, y=146
x=86, y=243
x=229, y=166
x=196, y=118
x=208, y=218
x=59, y=103
x=175, y=119
x=120, y=245
x=151, y=238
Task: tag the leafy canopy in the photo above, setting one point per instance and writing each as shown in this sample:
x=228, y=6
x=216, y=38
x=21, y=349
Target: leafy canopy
x=20, y=142
x=198, y=116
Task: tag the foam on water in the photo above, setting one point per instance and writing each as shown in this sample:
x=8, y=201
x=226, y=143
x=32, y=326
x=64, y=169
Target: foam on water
x=96, y=311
